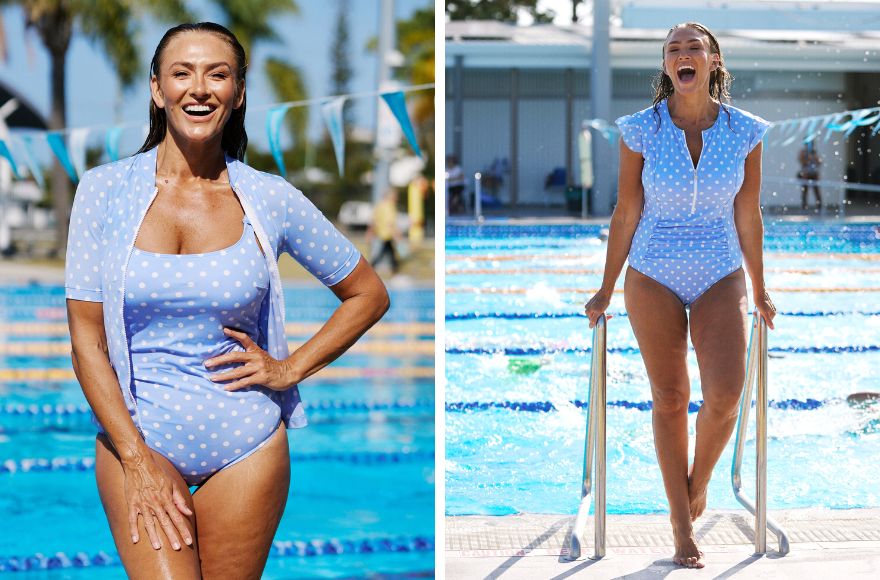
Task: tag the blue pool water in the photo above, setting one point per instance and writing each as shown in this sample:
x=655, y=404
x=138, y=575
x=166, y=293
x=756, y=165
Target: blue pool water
x=517, y=362
x=362, y=472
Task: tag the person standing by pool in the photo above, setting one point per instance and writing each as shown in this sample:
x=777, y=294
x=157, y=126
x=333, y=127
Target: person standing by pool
x=809, y=173
x=176, y=314
x=687, y=216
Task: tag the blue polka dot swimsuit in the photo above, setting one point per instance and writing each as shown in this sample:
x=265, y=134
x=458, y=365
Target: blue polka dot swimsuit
x=176, y=306
x=686, y=238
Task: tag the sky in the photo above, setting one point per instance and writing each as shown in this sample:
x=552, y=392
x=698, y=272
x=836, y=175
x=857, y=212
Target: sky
x=305, y=41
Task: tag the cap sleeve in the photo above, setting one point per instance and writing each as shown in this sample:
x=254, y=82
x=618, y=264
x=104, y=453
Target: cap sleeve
x=314, y=242
x=759, y=129
x=82, y=265
x=630, y=132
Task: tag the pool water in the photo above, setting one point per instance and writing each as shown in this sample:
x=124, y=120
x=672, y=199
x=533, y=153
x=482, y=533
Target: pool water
x=517, y=366
x=363, y=471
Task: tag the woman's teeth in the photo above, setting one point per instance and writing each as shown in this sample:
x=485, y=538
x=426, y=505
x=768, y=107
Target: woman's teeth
x=198, y=110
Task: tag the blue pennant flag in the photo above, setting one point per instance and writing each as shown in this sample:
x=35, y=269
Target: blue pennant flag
x=273, y=129
x=56, y=142
x=332, y=113
x=111, y=143
x=7, y=154
x=30, y=159
x=397, y=103
x=77, y=148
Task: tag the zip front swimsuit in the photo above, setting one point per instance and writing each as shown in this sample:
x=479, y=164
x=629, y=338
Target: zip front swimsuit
x=175, y=311
x=686, y=239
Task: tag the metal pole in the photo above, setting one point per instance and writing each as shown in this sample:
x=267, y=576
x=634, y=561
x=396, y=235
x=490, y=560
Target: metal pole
x=383, y=76
x=478, y=197
x=761, y=444
x=600, y=98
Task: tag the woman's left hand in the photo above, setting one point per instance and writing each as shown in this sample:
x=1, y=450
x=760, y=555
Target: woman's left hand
x=257, y=368
x=766, y=308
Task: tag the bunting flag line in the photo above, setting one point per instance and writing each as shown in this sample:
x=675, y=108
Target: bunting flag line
x=111, y=142
x=331, y=111
x=7, y=154
x=30, y=160
x=273, y=131
x=396, y=101
x=77, y=149
x=56, y=143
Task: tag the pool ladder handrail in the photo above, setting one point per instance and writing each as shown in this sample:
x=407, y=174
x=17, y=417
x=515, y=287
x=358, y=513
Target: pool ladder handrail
x=595, y=437
x=756, y=370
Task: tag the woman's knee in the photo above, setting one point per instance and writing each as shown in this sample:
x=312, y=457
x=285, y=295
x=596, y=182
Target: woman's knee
x=723, y=402
x=670, y=400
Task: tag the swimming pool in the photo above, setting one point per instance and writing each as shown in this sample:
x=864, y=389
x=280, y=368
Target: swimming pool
x=517, y=358
x=362, y=487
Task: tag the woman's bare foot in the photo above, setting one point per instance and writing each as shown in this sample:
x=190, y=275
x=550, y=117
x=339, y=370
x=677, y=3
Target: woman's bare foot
x=697, y=494
x=687, y=553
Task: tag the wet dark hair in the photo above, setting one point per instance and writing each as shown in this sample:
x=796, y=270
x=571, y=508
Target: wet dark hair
x=719, y=80
x=234, y=139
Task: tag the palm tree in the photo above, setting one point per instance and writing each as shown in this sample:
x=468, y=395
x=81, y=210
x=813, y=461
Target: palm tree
x=112, y=25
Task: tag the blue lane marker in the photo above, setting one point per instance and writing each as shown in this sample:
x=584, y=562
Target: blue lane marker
x=547, y=406
x=551, y=315
x=526, y=351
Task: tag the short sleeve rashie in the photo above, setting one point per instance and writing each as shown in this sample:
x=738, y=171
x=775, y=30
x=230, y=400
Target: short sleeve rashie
x=758, y=130
x=314, y=242
x=82, y=270
x=630, y=132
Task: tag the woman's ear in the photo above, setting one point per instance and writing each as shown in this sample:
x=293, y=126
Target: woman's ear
x=156, y=93
x=240, y=98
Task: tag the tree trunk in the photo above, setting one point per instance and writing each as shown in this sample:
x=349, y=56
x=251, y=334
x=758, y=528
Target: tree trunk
x=55, y=29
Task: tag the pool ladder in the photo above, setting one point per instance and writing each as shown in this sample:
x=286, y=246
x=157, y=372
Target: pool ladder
x=595, y=438
x=756, y=368
x=756, y=371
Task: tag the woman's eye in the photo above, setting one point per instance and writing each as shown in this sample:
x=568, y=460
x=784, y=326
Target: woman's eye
x=179, y=74
x=219, y=75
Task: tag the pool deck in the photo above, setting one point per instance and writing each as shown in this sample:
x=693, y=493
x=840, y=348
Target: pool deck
x=824, y=544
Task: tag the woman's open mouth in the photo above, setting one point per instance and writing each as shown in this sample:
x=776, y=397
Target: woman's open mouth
x=199, y=111
x=686, y=73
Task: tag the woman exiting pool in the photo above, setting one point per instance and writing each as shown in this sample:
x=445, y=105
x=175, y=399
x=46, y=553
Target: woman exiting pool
x=687, y=217
x=176, y=314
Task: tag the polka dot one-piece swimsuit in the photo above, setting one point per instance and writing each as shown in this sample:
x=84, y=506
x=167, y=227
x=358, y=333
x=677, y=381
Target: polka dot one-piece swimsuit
x=176, y=306
x=686, y=238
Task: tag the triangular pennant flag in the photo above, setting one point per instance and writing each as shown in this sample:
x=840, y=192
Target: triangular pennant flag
x=397, y=103
x=332, y=113
x=31, y=160
x=56, y=143
x=77, y=145
x=273, y=129
x=111, y=142
x=7, y=154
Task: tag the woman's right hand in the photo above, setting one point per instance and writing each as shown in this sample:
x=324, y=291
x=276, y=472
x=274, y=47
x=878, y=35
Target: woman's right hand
x=150, y=493
x=597, y=305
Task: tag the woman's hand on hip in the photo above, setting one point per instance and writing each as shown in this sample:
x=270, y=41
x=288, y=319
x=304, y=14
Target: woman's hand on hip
x=596, y=306
x=257, y=366
x=151, y=494
x=766, y=308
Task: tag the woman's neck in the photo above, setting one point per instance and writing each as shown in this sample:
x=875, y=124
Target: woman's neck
x=185, y=161
x=692, y=110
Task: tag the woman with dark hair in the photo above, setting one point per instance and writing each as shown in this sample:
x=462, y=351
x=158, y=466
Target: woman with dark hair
x=687, y=217
x=176, y=314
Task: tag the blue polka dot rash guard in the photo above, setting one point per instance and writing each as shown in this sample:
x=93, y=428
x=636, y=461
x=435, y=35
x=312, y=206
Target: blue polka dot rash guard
x=104, y=266
x=686, y=238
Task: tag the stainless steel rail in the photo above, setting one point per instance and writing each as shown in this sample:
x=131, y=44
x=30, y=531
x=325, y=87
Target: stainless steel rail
x=478, y=197
x=595, y=438
x=756, y=368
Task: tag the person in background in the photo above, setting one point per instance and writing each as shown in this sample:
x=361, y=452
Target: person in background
x=455, y=185
x=384, y=228
x=809, y=172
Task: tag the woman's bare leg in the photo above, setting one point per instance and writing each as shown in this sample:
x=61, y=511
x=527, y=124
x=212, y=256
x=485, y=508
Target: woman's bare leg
x=141, y=560
x=659, y=321
x=239, y=509
x=718, y=331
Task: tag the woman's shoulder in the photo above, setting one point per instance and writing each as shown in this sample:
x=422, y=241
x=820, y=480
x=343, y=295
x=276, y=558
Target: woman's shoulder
x=646, y=117
x=742, y=118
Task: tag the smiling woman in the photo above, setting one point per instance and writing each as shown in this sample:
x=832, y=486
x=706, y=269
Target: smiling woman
x=176, y=315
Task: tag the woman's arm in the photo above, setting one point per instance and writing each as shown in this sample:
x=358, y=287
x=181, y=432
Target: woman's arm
x=364, y=301
x=148, y=489
x=750, y=229
x=624, y=221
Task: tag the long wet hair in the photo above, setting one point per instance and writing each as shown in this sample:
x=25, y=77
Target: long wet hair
x=234, y=139
x=720, y=79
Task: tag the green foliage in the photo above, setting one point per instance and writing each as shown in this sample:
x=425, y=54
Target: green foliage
x=251, y=20
x=500, y=10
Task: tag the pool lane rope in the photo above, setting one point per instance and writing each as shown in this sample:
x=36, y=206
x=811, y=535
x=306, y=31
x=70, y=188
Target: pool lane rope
x=549, y=406
x=552, y=315
x=540, y=350
x=56, y=464
x=279, y=549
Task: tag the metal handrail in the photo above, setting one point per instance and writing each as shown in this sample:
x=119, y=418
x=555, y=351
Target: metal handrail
x=595, y=437
x=756, y=368
x=478, y=197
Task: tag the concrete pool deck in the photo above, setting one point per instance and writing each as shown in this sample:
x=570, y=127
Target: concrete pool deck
x=824, y=543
